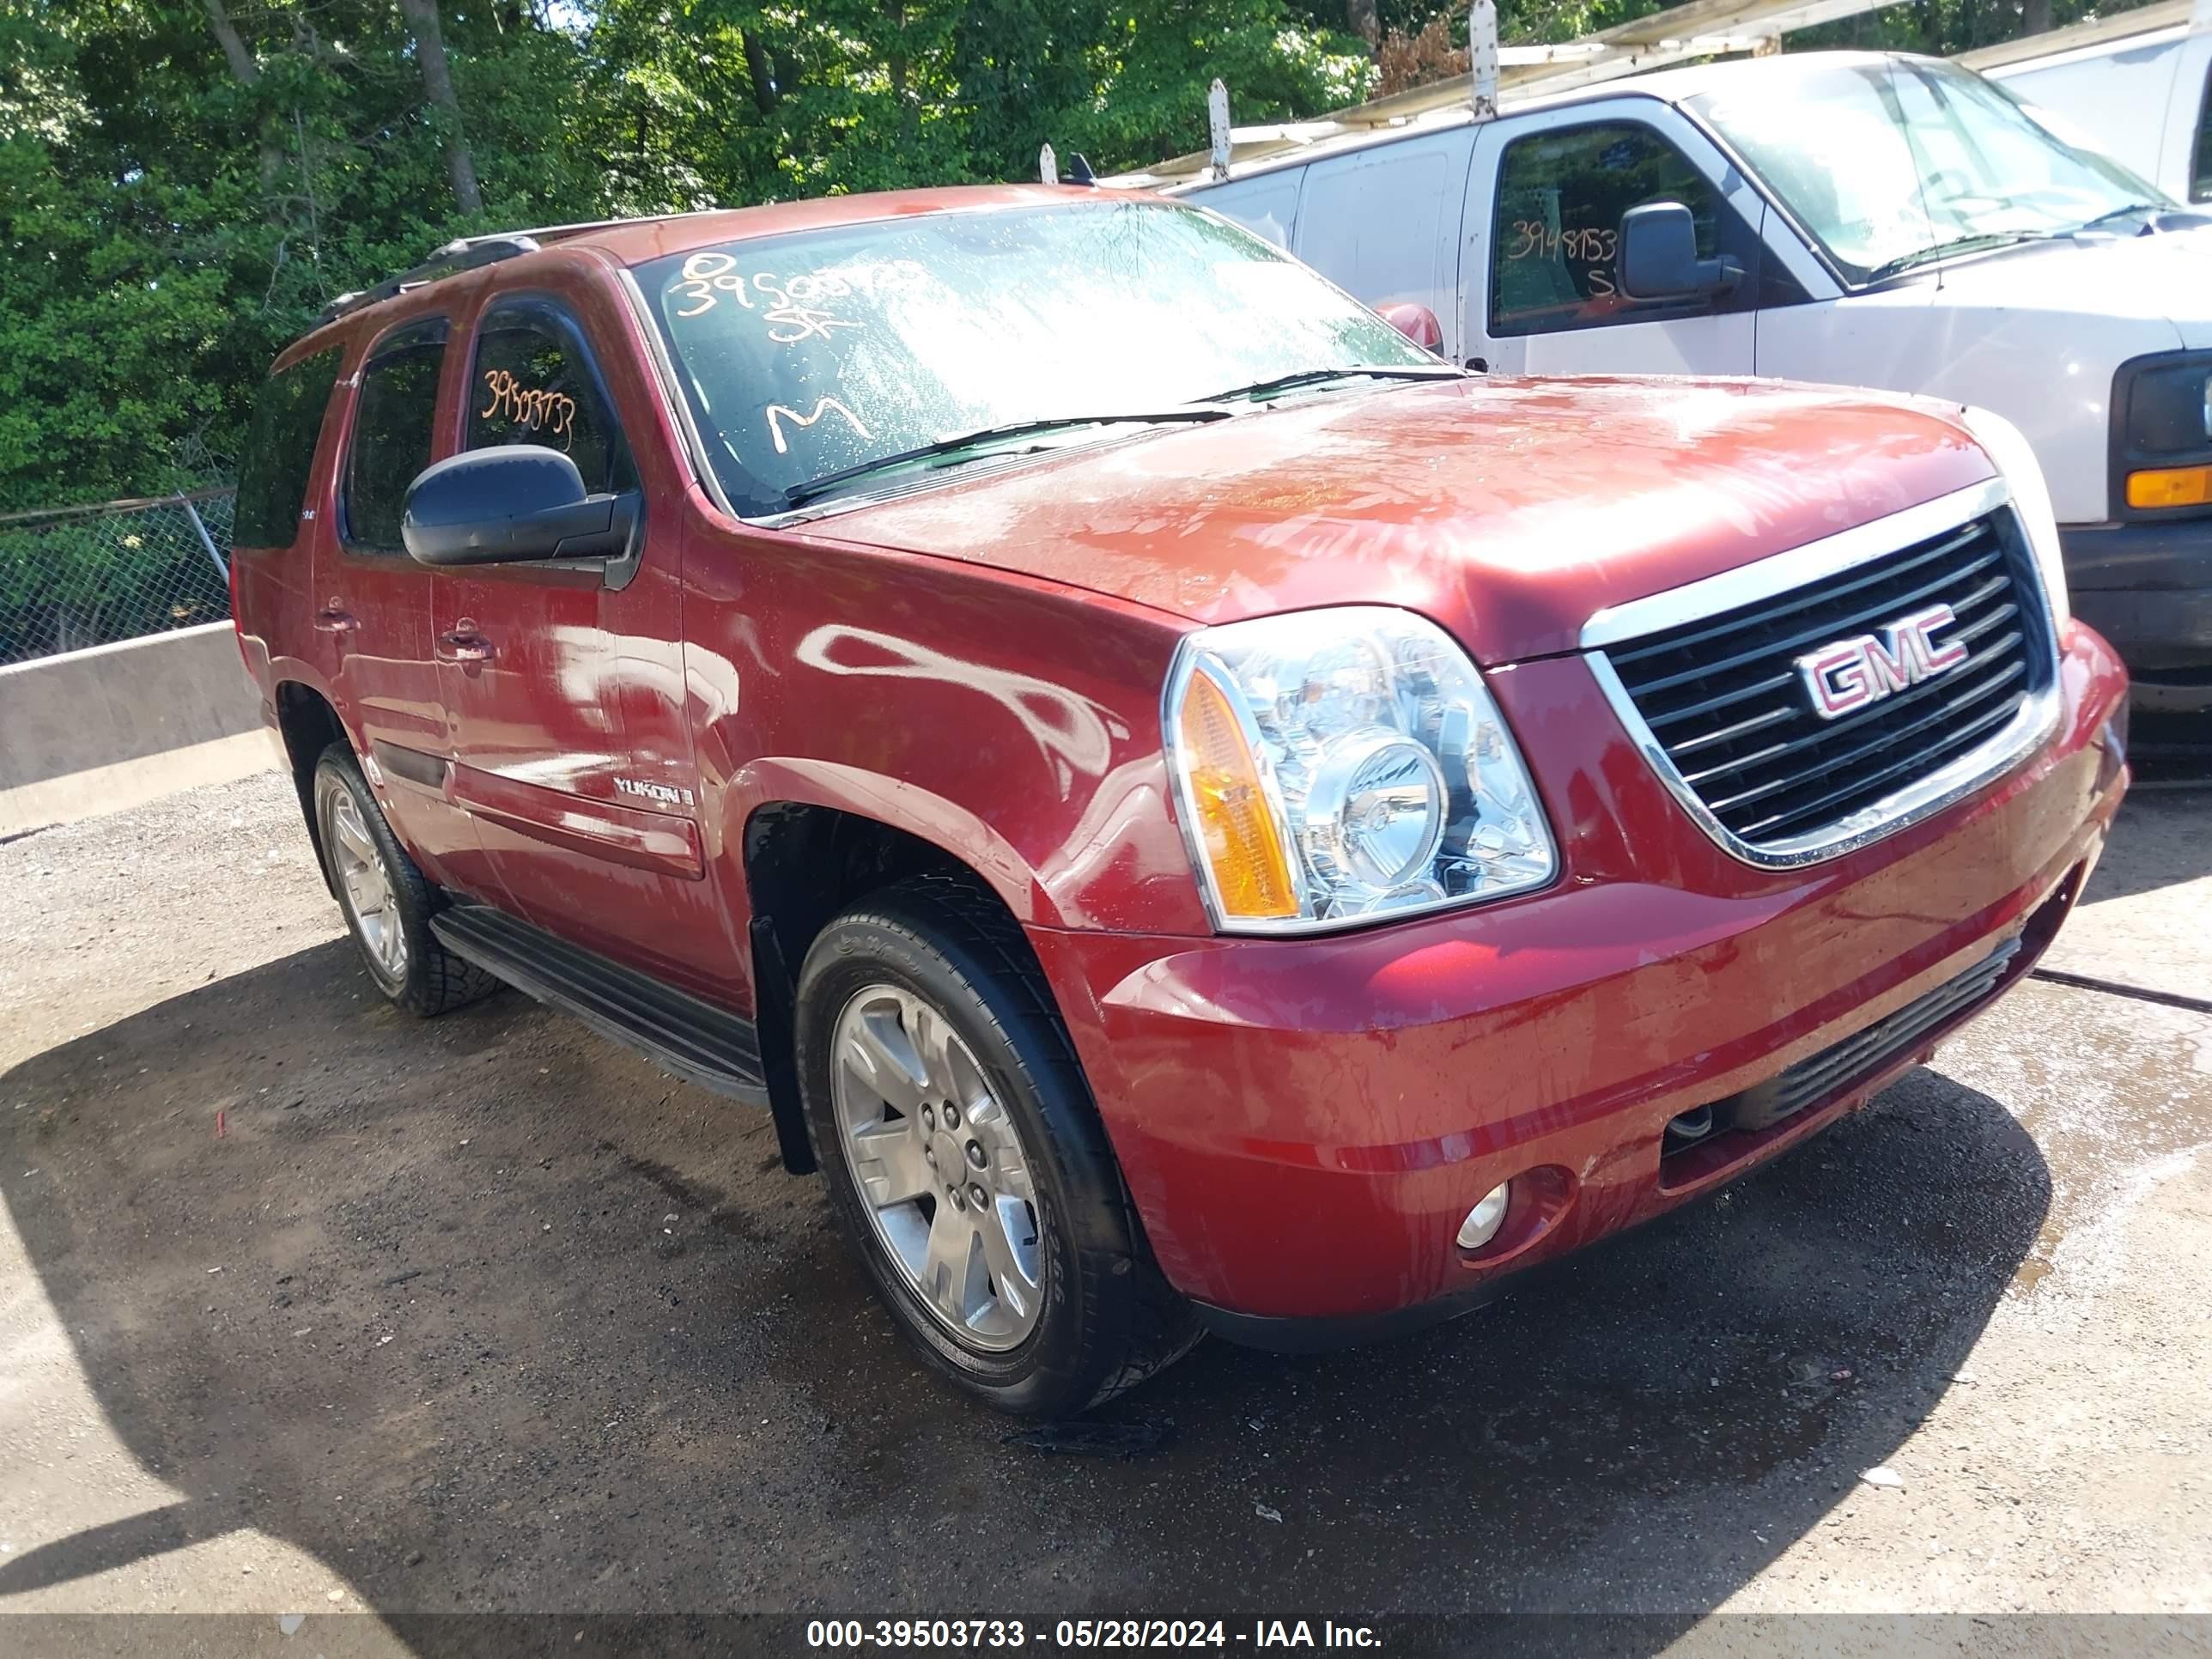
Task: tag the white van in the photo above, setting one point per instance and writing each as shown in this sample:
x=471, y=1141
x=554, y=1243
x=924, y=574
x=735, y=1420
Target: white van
x=2138, y=85
x=1874, y=220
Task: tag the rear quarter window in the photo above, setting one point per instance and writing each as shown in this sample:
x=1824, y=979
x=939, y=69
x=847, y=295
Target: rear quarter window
x=280, y=451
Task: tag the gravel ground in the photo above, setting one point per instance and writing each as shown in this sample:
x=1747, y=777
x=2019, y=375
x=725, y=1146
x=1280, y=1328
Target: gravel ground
x=308, y=1306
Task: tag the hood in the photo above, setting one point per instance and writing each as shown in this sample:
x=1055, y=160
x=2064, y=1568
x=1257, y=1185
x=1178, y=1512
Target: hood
x=1509, y=510
x=2163, y=281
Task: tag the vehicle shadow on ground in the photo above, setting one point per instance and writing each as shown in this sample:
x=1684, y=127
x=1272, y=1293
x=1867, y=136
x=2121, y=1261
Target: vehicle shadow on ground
x=2163, y=839
x=508, y=1321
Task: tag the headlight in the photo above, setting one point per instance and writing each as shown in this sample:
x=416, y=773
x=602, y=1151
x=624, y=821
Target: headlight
x=2031, y=498
x=1333, y=767
x=2169, y=407
x=2163, y=407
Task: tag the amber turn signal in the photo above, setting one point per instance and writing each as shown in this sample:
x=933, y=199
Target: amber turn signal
x=1236, y=826
x=2171, y=486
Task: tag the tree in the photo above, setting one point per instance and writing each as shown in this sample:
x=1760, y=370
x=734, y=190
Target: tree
x=438, y=82
x=185, y=183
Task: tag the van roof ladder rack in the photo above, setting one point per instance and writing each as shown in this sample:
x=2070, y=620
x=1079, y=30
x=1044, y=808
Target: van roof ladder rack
x=2091, y=31
x=1700, y=28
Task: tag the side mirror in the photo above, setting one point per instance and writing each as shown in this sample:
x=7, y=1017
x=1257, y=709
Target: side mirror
x=516, y=502
x=1659, y=256
x=1417, y=323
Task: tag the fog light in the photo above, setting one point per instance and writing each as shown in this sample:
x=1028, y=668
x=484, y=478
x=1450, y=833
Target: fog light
x=1484, y=1220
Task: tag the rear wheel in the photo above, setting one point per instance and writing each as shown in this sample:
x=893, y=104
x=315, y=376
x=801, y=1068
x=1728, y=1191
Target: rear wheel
x=387, y=901
x=965, y=1161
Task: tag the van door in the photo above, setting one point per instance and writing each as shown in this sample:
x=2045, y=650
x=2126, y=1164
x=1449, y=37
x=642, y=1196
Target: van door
x=563, y=682
x=2186, y=168
x=1548, y=191
x=1383, y=223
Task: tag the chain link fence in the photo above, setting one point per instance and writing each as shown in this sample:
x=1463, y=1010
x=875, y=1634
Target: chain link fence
x=93, y=575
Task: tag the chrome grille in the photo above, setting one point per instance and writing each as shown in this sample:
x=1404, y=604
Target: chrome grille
x=1724, y=702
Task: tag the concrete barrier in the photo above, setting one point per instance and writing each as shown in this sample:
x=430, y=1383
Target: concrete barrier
x=77, y=731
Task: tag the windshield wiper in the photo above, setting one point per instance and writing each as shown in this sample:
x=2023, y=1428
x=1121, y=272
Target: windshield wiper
x=2122, y=212
x=799, y=493
x=1318, y=376
x=1958, y=245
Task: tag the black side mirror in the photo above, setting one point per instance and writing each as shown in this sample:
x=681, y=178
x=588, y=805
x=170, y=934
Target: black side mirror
x=1659, y=256
x=516, y=502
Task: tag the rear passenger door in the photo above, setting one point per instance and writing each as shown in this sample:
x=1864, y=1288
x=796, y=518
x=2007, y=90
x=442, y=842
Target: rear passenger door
x=562, y=679
x=1550, y=188
x=372, y=615
x=1383, y=223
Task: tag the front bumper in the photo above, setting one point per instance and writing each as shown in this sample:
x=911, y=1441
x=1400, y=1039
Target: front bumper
x=1303, y=1123
x=2146, y=587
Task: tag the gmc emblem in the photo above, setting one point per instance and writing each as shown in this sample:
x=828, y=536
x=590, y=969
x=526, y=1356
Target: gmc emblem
x=1850, y=674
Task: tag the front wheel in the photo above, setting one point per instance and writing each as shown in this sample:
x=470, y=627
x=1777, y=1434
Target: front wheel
x=965, y=1160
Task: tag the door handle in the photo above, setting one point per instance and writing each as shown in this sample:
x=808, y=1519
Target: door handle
x=332, y=620
x=464, y=645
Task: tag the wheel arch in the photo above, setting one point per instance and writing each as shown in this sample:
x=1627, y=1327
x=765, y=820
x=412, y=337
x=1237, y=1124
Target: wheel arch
x=308, y=724
x=804, y=861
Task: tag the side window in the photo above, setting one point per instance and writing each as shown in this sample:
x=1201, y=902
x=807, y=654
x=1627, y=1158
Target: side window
x=1557, y=238
x=391, y=433
x=534, y=384
x=2200, y=176
x=280, y=451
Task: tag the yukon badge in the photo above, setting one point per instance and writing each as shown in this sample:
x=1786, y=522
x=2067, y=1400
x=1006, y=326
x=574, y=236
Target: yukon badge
x=667, y=794
x=1849, y=674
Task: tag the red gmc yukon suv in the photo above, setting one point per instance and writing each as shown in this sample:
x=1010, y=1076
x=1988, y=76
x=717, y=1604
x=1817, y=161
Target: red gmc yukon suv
x=1191, y=812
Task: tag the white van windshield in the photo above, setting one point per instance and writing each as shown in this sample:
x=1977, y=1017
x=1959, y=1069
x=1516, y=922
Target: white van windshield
x=1893, y=162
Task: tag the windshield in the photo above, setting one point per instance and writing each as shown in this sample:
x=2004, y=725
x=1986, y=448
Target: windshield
x=1888, y=162
x=812, y=354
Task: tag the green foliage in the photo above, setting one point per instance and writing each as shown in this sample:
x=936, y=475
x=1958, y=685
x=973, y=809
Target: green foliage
x=169, y=219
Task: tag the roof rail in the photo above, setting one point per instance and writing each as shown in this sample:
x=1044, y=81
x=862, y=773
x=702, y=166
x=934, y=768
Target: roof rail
x=468, y=253
x=544, y=233
x=462, y=253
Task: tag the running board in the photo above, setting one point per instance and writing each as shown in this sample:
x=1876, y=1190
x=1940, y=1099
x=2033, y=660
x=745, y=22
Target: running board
x=684, y=1036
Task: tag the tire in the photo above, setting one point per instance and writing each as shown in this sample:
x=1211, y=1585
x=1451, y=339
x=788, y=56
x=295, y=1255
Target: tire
x=1082, y=1313
x=376, y=882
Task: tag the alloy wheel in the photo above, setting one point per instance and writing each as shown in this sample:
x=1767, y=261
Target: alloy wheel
x=939, y=1166
x=367, y=887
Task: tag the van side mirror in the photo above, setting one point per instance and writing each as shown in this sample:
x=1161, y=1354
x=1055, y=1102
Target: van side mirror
x=1659, y=256
x=505, y=505
x=1417, y=323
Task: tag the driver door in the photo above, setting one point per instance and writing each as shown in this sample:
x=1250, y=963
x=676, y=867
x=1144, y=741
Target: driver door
x=562, y=679
x=1545, y=295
